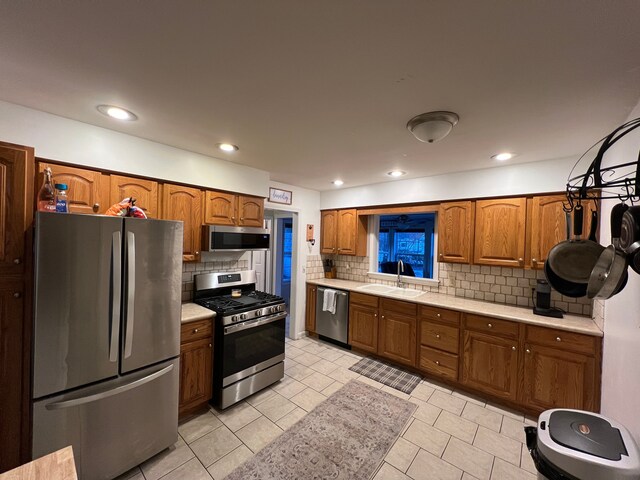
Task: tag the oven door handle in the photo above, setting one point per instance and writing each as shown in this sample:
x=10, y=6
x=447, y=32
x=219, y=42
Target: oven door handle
x=256, y=323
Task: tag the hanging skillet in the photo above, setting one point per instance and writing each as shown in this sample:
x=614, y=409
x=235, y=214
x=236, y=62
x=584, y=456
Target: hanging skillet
x=573, y=260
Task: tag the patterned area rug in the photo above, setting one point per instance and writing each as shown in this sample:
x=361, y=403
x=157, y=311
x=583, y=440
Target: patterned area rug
x=344, y=438
x=386, y=374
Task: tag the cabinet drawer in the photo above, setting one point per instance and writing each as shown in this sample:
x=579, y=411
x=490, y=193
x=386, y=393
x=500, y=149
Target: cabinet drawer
x=195, y=330
x=365, y=300
x=404, y=308
x=492, y=326
x=440, y=315
x=439, y=363
x=564, y=340
x=439, y=336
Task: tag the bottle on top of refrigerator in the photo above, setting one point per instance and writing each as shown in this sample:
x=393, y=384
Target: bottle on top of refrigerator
x=46, y=195
x=62, y=205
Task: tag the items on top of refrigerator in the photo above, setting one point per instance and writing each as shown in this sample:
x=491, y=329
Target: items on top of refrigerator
x=126, y=208
x=46, y=195
x=62, y=205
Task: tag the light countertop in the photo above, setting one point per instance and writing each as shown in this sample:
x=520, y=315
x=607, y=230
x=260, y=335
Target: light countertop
x=192, y=312
x=571, y=323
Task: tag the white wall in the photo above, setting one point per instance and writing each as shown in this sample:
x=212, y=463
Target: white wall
x=306, y=203
x=545, y=176
x=621, y=358
x=58, y=138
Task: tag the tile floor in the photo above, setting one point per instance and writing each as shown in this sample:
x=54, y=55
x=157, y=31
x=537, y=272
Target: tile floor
x=451, y=436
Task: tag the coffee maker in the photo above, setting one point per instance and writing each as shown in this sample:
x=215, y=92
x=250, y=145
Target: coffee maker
x=542, y=303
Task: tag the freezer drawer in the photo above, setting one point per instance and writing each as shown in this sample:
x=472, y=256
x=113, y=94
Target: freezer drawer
x=334, y=326
x=114, y=425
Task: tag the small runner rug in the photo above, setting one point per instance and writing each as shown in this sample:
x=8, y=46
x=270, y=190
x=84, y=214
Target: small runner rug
x=346, y=437
x=386, y=374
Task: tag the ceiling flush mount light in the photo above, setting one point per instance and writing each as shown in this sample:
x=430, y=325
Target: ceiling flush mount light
x=433, y=126
x=117, y=112
x=396, y=173
x=227, y=147
x=503, y=156
x=337, y=183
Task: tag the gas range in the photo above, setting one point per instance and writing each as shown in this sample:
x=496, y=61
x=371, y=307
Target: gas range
x=249, y=305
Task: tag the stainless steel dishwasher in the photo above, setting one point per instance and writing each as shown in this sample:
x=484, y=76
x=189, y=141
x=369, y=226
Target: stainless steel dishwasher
x=334, y=326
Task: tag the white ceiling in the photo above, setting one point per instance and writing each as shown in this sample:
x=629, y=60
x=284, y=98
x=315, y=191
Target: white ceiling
x=316, y=90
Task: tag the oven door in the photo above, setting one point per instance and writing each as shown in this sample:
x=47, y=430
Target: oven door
x=250, y=347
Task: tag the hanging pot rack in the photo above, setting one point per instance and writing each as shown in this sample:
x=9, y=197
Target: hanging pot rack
x=620, y=181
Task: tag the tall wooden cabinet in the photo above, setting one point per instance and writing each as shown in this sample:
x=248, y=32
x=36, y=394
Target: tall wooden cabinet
x=144, y=191
x=455, y=232
x=185, y=203
x=310, y=313
x=343, y=232
x=88, y=189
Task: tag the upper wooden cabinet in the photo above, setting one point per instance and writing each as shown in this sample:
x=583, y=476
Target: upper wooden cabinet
x=145, y=193
x=184, y=203
x=343, y=232
x=500, y=232
x=455, y=232
x=229, y=209
x=88, y=191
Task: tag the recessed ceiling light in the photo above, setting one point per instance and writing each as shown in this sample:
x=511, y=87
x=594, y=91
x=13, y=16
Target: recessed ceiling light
x=117, y=112
x=337, y=183
x=396, y=173
x=503, y=156
x=227, y=147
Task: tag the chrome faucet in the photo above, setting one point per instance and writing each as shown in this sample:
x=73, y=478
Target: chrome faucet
x=400, y=269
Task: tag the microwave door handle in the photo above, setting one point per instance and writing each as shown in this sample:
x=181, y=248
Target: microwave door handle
x=131, y=292
x=116, y=294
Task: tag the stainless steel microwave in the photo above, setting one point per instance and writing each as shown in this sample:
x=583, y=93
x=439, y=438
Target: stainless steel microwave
x=218, y=238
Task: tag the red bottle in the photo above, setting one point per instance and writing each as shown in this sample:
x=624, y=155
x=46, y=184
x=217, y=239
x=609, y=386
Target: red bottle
x=46, y=195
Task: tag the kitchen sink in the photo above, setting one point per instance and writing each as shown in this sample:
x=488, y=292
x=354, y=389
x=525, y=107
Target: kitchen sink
x=375, y=288
x=406, y=292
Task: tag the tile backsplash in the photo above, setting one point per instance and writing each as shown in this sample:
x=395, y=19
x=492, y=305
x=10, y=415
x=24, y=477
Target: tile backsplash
x=512, y=286
x=191, y=269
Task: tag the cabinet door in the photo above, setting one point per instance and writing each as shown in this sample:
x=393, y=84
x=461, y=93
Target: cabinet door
x=145, y=193
x=347, y=231
x=88, y=189
x=397, y=338
x=220, y=208
x=184, y=203
x=363, y=327
x=455, y=232
x=250, y=211
x=490, y=364
x=555, y=378
x=196, y=367
x=328, y=231
x=500, y=232
x=16, y=207
x=310, y=317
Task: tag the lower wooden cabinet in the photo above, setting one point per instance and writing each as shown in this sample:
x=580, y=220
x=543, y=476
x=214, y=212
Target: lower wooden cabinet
x=397, y=331
x=196, y=365
x=310, y=317
x=363, y=322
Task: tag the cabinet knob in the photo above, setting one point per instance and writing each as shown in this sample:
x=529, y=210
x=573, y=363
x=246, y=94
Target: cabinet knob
x=195, y=330
x=437, y=335
x=489, y=325
x=528, y=351
x=441, y=256
x=241, y=219
x=209, y=345
x=438, y=315
x=534, y=260
x=513, y=348
x=382, y=317
x=17, y=295
x=437, y=362
x=558, y=339
x=233, y=218
x=96, y=207
x=520, y=261
x=17, y=261
x=375, y=314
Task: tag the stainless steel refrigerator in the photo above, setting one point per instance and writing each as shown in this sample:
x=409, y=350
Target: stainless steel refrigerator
x=106, y=339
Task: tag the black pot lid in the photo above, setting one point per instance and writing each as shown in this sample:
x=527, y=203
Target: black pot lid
x=586, y=433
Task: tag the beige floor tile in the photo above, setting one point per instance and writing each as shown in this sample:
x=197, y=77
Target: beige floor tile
x=288, y=387
x=407, y=425
x=498, y=445
x=215, y=445
x=289, y=364
x=370, y=381
x=447, y=402
x=324, y=366
x=507, y=412
x=443, y=387
x=343, y=375
x=402, y=454
x=395, y=392
x=238, y=416
x=426, y=412
x=426, y=437
x=331, y=354
x=230, y=462
x=314, y=348
x=468, y=458
x=387, y=472
x=307, y=359
x=308, y=399
x=513, y=429
x=526, y=463
x=300, y=372
x=531, y=421
x=291, y=418
x=429, y=467
x=505, y=471
x=422, y=392
x=260, y=397
x=468, y=476
x=457, y=426
x=333, y=388
x=292, y=352
x=259, y=433
x=317, y=381
x=470, y=398
x=198, y=426
x=193, y=470
x=167, y=460
x=276, y=407
x=346, y=361
x=482, y=416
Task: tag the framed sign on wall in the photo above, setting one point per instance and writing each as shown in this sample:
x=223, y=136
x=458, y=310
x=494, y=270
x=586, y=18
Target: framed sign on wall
x=277, y=195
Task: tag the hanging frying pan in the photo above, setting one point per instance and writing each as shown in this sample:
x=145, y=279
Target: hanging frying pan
x=573, y=260
x=630, y=236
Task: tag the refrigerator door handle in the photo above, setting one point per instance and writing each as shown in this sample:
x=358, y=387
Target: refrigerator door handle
x=74, y=402
x=116, y=294
x=131, y=292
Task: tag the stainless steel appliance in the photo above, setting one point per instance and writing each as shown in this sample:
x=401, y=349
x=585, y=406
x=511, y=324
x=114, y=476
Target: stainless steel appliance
x=248, y=352
x=333, y=326
x=106, y=339
x=217, y=238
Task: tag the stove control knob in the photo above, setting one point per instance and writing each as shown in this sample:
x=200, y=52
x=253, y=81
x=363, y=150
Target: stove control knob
x=234, y=318
x=243, y=316
x=280, y=308
x=258, y=312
